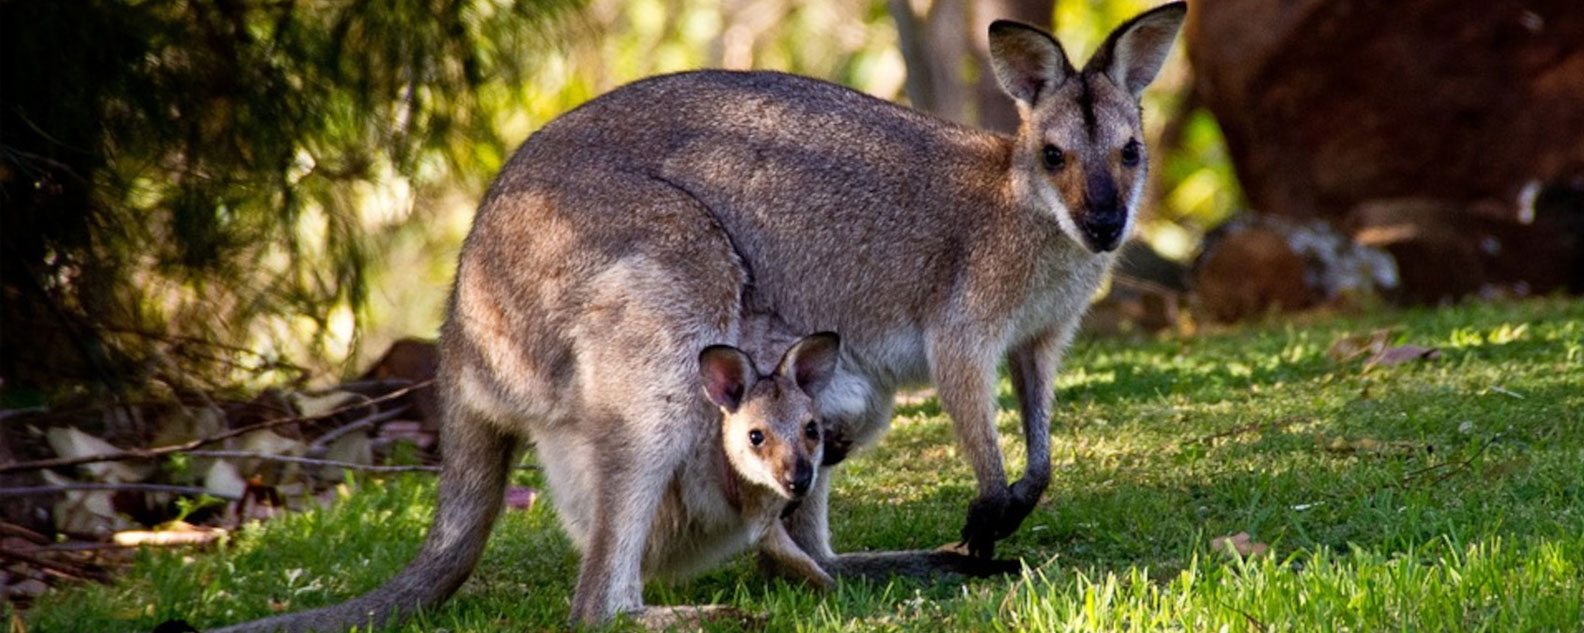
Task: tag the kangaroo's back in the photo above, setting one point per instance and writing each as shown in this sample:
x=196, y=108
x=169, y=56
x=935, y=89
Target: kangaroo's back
x=799, y=173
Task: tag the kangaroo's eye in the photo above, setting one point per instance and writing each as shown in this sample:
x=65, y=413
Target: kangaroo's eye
x=756, y=437
x=1131, y=154
x=812, y=430
x=1054, y=158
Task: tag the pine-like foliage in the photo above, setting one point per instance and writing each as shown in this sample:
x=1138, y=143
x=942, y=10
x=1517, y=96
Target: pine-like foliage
x=173, y=172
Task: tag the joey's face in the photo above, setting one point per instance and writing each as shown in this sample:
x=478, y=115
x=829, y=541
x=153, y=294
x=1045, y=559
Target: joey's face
x=1080, y=150
x=770, y=431
x=774, y=439
x=1085, y=146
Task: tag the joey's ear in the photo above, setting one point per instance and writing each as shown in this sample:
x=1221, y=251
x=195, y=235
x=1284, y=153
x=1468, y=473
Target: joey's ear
x=726, y=374
x=811, y=362
x=1134, y=52
x=1028, y=62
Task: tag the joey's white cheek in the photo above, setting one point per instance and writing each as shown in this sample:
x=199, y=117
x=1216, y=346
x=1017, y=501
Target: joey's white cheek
x=751, y=467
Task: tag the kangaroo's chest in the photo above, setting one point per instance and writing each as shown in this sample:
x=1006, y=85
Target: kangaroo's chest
x=1059, y=296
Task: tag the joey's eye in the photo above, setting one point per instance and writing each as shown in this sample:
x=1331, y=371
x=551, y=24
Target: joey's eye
x=1131, y=154
x=812, y=430
x=1054, y=158
x=756, y=437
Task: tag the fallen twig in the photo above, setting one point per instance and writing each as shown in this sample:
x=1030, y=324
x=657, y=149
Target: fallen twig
x=1418, y=477
x=6, y=413
x=322, y=443
x=70, y=572
x=149, y=453
x=357, y=386
x=1248, y=428
x=310, y=461
x=1248, y=617
x=10, y=529
x=84, y=485
x=82, y=546
x=1450, y=468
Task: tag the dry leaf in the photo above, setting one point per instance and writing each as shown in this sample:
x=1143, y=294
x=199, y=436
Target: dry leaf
x=353, y=448
x=521, y=497
x=1400, y=354
x=1362, y=445
x=69, y=442
x=271, y=443
x=26, y=589
x=184, y=424
x=85, y=512
x=1239, y=543
x=315, y=406
x=223, y=479
x=1350, y=347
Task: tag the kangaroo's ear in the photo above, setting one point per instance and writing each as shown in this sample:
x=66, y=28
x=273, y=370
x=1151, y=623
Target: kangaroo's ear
x=726, y=374
x=1134, y=52
x=811, y=362
x=1028, y=62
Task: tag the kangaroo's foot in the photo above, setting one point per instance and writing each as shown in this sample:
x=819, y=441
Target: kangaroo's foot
x=947, y=562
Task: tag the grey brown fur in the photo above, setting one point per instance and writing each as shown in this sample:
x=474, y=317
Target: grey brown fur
x=634, y=231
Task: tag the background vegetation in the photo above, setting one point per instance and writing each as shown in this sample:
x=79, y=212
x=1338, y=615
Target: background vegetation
x=204, y=195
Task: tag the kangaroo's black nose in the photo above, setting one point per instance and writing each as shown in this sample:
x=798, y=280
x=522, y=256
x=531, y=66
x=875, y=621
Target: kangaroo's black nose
x=1103, y=230
x=802, y=477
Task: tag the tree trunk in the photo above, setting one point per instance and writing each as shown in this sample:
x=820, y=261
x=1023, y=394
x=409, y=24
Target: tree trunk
x=946, y=49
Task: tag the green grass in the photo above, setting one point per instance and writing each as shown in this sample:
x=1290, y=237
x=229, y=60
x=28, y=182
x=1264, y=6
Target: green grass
x=1467, y=516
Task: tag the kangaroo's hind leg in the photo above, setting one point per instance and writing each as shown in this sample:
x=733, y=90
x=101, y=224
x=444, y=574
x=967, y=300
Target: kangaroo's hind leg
x=631, y=475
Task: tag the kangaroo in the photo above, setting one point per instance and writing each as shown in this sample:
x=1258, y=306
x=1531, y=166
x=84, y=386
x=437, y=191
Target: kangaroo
x=731, y=491
x=642, y=226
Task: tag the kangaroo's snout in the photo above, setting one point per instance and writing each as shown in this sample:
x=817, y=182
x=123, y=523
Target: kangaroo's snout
x=1104, y=217
x=800, y=478
x=1103, y=231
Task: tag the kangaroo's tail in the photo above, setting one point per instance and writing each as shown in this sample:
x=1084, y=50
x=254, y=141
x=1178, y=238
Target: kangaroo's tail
x=476, y=459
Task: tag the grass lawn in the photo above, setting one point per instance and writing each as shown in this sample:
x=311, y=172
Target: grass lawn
x=1443, y=495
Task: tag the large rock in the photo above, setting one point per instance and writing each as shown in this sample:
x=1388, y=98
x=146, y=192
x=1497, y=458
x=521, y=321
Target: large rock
x=1332, y=108
x=1329, y=103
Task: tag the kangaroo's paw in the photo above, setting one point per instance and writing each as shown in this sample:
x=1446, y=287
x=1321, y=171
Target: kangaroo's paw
x=694, y=617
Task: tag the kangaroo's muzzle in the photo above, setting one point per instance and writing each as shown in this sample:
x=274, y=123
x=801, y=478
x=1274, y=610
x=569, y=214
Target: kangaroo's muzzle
x=1103, y=230
x=1104, y=218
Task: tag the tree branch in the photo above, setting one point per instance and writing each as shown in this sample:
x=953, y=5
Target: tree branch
x=310, y=461
x=80, y=485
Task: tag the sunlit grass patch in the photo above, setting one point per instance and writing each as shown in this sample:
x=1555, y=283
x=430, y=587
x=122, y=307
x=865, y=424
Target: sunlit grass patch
x=1443, y=495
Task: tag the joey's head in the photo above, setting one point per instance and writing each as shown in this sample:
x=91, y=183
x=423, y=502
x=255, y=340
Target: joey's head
x=1080, y=148
x=770, y=430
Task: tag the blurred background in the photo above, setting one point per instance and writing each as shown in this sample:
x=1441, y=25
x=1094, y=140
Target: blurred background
x=204, y=201
x=209, y=195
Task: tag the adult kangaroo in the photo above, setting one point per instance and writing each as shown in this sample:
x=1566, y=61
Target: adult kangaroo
x=640, y=228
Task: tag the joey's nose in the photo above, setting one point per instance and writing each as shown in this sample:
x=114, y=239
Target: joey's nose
x=801, y=478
